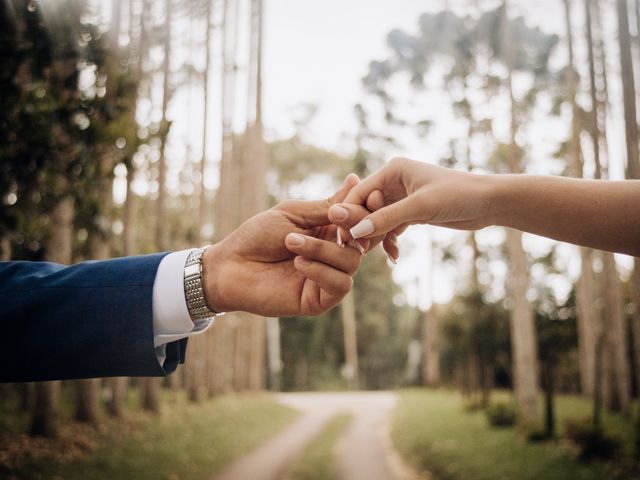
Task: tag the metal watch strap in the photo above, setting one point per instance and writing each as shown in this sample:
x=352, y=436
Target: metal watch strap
x=194, y=287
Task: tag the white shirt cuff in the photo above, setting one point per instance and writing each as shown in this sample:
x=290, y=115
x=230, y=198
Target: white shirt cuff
x=171, y=320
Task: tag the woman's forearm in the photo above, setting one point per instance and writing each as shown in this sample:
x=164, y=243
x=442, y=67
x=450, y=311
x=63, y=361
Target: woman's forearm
x=593, y=213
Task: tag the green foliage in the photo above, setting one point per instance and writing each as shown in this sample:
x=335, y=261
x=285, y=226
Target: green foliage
x=64, y=103
x=187, y=441
x=592, y=443
x=317, y=460
x=474, y=331
x=501, y=414
x=429, y=430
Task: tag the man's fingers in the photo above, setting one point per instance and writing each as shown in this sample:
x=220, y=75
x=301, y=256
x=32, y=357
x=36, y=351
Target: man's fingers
x=314, y=213
x=346, y=259
x=349, y=182
x=375, y=201
x=333, y=281
x=346, y=215
x=360, y=192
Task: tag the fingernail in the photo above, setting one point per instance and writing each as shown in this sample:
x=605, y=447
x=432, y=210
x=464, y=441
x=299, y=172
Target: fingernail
x=339, y=213
x=348, y=177
x=364, y=228
x=339, y=238
x=295, y=240
x=357, y=246
x=393, y=260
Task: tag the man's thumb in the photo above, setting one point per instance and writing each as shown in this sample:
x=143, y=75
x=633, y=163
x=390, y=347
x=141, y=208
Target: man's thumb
x=386, y=219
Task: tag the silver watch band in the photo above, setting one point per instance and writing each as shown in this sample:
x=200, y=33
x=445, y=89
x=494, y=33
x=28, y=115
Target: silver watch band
x=194, y=287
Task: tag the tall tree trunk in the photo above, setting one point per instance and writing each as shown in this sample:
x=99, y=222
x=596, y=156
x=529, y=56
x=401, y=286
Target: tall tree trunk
x=59, y=250
x=204, y=216
x=616, y=336
x=631, y=133
x=222, y=351
x=87, y=390
x=523, y=332
x=633, y=157
x=430, y=349
x=273, y=354
x=151, y=386
x=628, y=91
x=348, y=310
x=5, y=249
x=585, y=285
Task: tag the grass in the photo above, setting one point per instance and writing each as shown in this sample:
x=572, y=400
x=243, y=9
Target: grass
x=184, y=442
x=435, y=434
x=317, y=459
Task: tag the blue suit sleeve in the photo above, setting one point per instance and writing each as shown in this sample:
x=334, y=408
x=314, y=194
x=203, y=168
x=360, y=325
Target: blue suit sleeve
x=93, y=319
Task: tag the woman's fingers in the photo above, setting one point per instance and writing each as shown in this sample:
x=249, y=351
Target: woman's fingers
x=390, y=245
x=346, y=260
x=380, y=222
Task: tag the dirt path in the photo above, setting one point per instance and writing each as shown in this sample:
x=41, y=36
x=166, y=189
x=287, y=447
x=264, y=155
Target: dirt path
x=363, y=453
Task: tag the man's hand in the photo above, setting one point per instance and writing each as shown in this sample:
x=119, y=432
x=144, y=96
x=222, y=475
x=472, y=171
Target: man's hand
x=283, y=262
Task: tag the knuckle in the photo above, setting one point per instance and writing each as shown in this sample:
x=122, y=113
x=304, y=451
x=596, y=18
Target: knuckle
x=385, y=216
x=397, y=161
x=286, y=205
x=345, y=284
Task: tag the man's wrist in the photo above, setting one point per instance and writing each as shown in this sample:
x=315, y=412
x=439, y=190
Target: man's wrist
x=213, y=264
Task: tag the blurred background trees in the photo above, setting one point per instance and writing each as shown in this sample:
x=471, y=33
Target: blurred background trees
x=132, y=126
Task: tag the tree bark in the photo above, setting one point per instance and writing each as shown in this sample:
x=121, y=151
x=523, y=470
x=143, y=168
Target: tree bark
x=59, y=250
x=628, y=91
x=273, y=353
x=523, y=333
x=204, y=216
x=430, y=349
x=348, y=309
x=616, y=336
x=151, y=386
x=587, y=320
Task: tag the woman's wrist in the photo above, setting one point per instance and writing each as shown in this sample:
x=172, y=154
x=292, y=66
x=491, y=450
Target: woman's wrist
x=502, y=191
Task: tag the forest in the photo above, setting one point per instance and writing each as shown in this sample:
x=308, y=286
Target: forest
x=131, y=127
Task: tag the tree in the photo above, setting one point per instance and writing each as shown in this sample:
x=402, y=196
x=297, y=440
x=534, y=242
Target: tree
x=585, y=286
x=151, y=386
x=631, y=135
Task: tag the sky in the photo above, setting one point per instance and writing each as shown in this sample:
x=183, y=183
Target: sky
x=317, y=52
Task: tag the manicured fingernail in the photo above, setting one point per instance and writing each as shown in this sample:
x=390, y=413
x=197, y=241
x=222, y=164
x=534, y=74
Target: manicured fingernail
x=339, y=213
x=393, y=260
x=339, y=238
x=295, y=240
x=364, y=228
x=357, y=246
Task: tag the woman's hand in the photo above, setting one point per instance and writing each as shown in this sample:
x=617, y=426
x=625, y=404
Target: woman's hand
x=593, y=213
x=405, y=192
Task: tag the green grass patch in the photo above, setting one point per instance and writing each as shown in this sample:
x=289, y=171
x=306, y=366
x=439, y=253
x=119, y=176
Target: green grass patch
x=317, y=459
x=185, y=441
x=434, y=433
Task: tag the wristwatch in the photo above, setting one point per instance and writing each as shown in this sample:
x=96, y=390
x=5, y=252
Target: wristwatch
x=194, y=287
